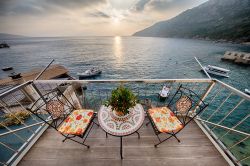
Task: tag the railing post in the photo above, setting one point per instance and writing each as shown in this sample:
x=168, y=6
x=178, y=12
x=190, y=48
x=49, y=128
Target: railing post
x=38, y=92
x=209, y=88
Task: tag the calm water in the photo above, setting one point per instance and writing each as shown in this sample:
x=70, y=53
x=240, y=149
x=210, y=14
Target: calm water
x=125, y=57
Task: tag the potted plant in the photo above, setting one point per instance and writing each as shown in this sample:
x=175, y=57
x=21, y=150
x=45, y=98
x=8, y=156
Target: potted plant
x=121, y=100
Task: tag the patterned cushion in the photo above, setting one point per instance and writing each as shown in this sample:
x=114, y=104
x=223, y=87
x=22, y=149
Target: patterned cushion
x=76, y=122
x=165, y=120
x=183, y=104
x=55, y=108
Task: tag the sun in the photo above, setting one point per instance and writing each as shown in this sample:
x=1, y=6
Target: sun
x=116, y=20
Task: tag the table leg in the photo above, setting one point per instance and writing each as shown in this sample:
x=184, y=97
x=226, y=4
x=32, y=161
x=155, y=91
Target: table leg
x=138, y=134
x=121, y=147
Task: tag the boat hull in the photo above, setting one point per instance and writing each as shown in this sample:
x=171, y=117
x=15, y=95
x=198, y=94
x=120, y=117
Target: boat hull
x=88, y=75
x=161, y=98
x=247, y=91
x=7, y=68
x=215, y=73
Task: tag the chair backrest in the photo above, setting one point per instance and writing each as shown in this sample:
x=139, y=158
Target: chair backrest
x=52, y=108
x=186, y=104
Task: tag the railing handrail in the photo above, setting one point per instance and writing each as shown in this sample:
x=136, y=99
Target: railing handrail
x=224, y=127
x=126, y=80
x=234, y=90
x=15, y=88
x=22, y=128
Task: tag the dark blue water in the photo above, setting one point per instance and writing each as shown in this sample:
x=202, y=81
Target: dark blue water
x=126, y=57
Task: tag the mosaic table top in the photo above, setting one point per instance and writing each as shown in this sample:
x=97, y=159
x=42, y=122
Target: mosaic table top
x=121, y=125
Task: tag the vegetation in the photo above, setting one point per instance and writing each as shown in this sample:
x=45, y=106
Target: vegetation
x=121, y=100
x=16, y=118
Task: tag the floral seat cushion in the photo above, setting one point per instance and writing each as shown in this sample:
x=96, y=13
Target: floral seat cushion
x=77, y=122
x=165, y=120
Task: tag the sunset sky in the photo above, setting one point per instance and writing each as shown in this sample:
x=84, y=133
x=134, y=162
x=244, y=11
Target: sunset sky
x=86, y=17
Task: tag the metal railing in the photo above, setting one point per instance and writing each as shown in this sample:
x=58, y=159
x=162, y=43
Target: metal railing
x=226, y=119
x=16, y=139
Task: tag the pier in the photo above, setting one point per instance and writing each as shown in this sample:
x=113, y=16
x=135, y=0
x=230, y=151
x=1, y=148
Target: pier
x=237, y=57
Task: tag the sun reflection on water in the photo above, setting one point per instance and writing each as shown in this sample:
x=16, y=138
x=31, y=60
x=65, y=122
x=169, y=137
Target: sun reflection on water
x=117, y=47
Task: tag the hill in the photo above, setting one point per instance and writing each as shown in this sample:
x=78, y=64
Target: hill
x=214, y=19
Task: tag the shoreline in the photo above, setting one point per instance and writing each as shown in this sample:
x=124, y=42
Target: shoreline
x=247, y=43
x=203, y=39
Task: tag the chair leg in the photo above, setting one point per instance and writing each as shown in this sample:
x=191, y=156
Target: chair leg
x=158, y=138
x=176, y=138
x=162, y=140
x=80, y=143
x=88, y=133
x=67, y=137
x=64, y=139
x=96, y=123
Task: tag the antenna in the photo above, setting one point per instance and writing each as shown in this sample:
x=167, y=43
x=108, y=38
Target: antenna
x=39, y=75
x=202, y=68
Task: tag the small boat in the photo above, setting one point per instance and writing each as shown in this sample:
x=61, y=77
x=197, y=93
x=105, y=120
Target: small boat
x=4, y=45
x=164, y=93
x=14, y=75
x=7, y=68
x=247, y=91
x=218, y=71
x=90, y=73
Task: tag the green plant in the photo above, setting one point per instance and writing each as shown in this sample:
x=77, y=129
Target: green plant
x=121, y=100
x=15, y=118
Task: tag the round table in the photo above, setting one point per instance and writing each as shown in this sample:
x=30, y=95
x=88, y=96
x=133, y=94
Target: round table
x=121, y=126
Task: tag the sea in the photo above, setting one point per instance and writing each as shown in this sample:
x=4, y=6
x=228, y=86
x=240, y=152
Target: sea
x=123, y=57
x=126, y=57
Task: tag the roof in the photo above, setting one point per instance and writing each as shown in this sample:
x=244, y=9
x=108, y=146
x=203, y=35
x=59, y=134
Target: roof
x=54, y=71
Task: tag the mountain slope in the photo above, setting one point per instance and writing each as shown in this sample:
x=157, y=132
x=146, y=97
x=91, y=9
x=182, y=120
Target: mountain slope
x=215, y=19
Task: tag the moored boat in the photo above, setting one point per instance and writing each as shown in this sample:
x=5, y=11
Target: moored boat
x=7, y=68
x=218, y=71
x=247, y=91
x=164, y=93
x=4, y=45
x=90, y=73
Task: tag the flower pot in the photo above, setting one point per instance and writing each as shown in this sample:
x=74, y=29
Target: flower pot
x=119, y=113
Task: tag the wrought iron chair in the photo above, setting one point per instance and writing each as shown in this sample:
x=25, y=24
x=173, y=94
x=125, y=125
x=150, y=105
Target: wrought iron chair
x=56, y=110
x=184, y=106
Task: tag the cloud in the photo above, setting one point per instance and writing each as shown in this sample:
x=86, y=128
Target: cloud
x=99, y=14
x=85, y=17
x=34, y=7
x=159, y=5
x=163, y=5
x=140, y=5
x=74, y=3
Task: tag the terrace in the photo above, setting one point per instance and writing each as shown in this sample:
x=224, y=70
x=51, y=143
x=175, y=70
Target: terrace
x=218, y=136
